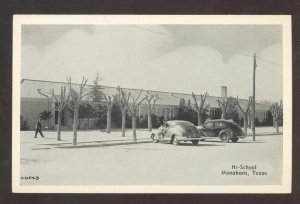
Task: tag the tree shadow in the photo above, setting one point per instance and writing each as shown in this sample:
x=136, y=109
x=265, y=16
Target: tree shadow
x=251, y=142
x=50, y=138
x=240, y=142
x=26, y=161
x=199, y=145
x=42, y=148
x=97, y=141
x=101, y=145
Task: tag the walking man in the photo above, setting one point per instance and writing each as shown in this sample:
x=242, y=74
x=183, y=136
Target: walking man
x=38, y=128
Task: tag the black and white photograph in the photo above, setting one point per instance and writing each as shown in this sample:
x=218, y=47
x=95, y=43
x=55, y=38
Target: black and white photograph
x=152, y=104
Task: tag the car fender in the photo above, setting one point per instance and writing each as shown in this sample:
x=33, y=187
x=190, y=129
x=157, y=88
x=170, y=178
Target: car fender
x=227, y=131
x=200, y=129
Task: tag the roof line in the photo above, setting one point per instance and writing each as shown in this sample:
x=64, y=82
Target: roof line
x=124, y=88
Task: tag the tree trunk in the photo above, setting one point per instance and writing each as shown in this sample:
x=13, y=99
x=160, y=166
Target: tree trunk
x=274, y=122
x=123, y=123
x=245, y=124
x=199, y=118
x=88, y=123
x=277, y=126
x=75, y=127
x=149, y=121
x=223, y=115
x=249, y=121
x=108, y=125
x=134, y=128
x=59, y=126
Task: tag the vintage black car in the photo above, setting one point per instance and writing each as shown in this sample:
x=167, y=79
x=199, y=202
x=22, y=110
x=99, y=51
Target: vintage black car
x=175, y=131
x=226, y=130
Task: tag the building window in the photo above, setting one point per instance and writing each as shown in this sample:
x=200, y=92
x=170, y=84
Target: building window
x=56, y=116
x=62, y=118
x=168, y=113
x=212, y=114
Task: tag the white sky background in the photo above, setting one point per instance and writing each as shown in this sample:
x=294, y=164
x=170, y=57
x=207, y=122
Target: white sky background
x=176, y=58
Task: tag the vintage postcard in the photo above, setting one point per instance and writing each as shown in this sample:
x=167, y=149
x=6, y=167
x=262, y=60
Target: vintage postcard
x=152, y=104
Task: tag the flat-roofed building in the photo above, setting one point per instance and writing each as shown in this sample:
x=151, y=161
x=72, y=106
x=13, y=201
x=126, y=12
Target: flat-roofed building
x=33, y=103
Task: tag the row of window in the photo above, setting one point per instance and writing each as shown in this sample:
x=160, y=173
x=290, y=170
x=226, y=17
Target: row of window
x=166, y=112
x=262, y=115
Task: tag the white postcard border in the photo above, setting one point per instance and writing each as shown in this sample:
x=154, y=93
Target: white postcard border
x=283, y=20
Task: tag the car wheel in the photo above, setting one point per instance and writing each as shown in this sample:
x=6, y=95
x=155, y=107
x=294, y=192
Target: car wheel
x=153, y=138
x=235, y=139
x=195, y=142
x=224, y=137
x=175, y=140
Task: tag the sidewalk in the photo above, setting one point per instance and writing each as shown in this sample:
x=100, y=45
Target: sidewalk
x=92, y=138
x=261, y=131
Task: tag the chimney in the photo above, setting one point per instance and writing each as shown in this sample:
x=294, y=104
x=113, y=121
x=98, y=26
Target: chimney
x=224, y=91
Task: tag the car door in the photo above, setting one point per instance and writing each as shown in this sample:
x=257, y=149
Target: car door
x=207, y=130
x=218, y=127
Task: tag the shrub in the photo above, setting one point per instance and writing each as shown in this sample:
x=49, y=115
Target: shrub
x=23, y=124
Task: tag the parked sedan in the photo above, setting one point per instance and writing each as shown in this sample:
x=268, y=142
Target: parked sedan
x=176, y=131
x=224, y=129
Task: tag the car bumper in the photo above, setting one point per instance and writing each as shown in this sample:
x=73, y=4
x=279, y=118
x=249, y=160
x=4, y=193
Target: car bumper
x=242, y=136
x=189, y=138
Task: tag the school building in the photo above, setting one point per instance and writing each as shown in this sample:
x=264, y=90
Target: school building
x=33, y=102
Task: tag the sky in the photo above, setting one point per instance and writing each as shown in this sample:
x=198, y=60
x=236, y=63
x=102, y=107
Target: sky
x=174, y=58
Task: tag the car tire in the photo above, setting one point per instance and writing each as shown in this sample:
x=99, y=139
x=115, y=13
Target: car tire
x=225, y=136
x=175, y=140
x=235, y=139
x=195, y=142
x=153, y=138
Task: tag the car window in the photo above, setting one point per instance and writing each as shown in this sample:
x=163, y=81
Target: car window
x=219, y=124
x=208, y=125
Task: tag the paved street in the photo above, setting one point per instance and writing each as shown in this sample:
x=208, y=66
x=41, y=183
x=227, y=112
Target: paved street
x=104, y=159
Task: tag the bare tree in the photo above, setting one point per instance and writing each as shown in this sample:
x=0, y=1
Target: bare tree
x=76, y=100
x=200, y=106
x=133, y=107
x=245, y=112
x=123, y=107
x=110, y=100
x=277, y=113
x=223, y=106
x=61, y=103
x=150, y=102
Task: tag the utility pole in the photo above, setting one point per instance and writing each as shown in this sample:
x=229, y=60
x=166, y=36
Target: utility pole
x=253, y=98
